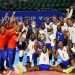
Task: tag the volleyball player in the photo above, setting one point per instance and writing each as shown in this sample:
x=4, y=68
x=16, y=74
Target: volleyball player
x=44, y=59
x=2, y=47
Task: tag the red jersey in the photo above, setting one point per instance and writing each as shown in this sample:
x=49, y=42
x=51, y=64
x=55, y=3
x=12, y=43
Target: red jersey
x=12, y=41
x=2, y=40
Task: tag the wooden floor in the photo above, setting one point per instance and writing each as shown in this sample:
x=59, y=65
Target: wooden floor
x=40, y=73
x=46, y=73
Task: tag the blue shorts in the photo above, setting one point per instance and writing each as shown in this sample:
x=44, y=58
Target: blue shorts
x=65, y=64
x=44, y=67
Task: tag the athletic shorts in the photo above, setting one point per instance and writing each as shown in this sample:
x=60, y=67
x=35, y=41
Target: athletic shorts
x=44, y=67
x=65, y=64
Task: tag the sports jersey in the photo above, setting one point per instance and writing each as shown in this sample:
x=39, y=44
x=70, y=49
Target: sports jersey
x=31, y=46
x=65, y=27
x=12, y=38
x=43, y=58
x=3, y=40
x=12, y=42
x=60, y=36
x=72, y=34
x=52, y=38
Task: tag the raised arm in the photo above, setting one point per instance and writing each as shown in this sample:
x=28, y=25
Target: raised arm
x=69, y=15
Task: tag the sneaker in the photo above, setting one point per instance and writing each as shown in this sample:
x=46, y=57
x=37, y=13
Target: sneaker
x=68, y=70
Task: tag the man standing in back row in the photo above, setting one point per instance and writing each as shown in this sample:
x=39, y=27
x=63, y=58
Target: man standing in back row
x=2, y=47
x=11, y=44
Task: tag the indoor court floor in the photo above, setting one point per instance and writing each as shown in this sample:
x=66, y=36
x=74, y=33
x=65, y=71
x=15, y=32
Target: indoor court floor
x=38, y=73
x=46, y=73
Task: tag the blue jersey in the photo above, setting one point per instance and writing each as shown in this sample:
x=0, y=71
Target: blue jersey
x=60, y=36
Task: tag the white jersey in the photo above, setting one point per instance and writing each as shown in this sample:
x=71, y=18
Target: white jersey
x=47, y=39
x=52, y=38
x=43, y=58
x=72, y=34
x=54, y=28
x=31, y=46
x=63, y=54
x=65, y=27
x=51, y=24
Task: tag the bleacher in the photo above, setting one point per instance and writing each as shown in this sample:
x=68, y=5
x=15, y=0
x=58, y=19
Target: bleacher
x=35, y=4
x=38, y=5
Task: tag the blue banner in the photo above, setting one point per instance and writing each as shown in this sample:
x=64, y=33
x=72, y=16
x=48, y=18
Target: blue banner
x=37, y=14
x=34, y=13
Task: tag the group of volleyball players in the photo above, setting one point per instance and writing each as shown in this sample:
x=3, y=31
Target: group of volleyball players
x=51, y=46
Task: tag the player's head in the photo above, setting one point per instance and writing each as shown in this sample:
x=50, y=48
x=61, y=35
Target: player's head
x=33, y=23
x=59, y=28
x=2, y=28
x=47, y=20
x=26, y=22
x=70, y=21
x=42, y=26
x=39, y=37
x=61, y=23
x=44, y=49
x=36, y=45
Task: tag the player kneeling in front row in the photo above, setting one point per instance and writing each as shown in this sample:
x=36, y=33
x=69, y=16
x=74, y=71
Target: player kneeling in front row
x=63, y=64
x=43, y=58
